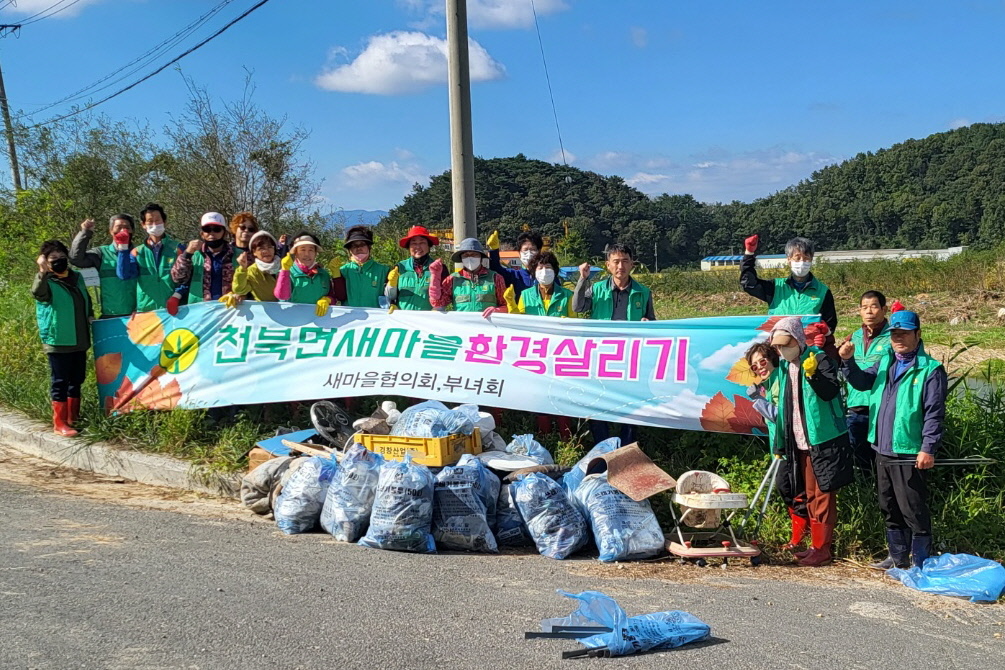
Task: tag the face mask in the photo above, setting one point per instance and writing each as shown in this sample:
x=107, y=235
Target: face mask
x=215, y=244
x=471, y=264
x=545, y=276
x=155, y=229
x=269, y=268
x=59, y=265
x=527, y=256
x=361, y=256
x=801, y=268
x=790, y=353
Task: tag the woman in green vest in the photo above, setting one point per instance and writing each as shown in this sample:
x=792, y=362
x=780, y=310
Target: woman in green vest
x=118, y=296
x=364, y=277
x=257, y=269
x=301, y=279
x=408, y=281
x=63, y=312
x=150, y=263
x=474, y=288
x=810, y=434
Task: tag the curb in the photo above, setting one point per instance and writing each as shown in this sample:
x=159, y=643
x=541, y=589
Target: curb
x=37, y=439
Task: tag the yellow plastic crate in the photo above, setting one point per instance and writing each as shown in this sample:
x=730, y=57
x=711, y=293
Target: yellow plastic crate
x=431, y=451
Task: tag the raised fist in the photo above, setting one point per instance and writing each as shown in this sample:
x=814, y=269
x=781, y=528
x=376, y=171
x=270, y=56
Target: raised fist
x=847, y=350
x=750, y=244
x=193, y=246
x=88, y=224
x=244, y=260
x=584, y=270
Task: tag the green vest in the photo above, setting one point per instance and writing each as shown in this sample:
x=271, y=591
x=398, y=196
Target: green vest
x=118, y=296
x=908, y=416
x=825, y=420
x=787, y=300
x=364, y=285
x=198, y=271
x=603, y=301
x=308, y=290
x=413, y=290
x=474, y=295
x=154, y=285
x=771, y=389
x=866, y=358
x=559, y=305
x=57, y=319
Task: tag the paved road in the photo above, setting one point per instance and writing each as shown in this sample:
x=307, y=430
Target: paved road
x=89, y=584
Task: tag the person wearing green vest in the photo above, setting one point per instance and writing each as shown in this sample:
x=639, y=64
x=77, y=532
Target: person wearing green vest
x=408, y=282
x=363, y=277
x=907, y=409
x=205, y=266
x=150, y=263
x=118, y=296
x=474, y=288
x=799, y=293
x=810, y=433
x=301, y=279
x=63, y=313
x=872, y=342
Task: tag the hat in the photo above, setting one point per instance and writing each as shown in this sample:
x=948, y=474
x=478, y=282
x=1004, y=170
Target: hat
x=358, y=234
x=904, y=320
x=213, y=219
x=418, y=231
x=468, y=244
x=260, y=235
x=304, y=240
x=793, y=327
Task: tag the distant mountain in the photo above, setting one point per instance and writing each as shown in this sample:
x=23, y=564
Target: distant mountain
x=352, y=217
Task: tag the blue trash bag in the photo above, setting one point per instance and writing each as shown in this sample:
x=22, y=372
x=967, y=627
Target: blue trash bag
x=402, y=509
x=557, y=526
x=526, y=445
x=488, y=491
x=510, y=529
x=630, y=635
x=573, y=477
x=298, y=507
x=980, y=579
x=459, y=510
x=624, y=529
x=460, y=420
x=433, y=419
x=346, y=512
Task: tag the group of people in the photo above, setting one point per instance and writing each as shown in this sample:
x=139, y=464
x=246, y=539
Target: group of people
x=888, y=420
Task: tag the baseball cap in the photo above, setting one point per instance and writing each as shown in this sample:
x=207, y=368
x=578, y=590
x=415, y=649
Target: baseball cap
x=904, y=320
x=213, y=219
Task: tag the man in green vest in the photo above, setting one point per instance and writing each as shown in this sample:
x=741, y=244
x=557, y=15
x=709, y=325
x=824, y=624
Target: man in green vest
x=907, y=408
x=617, y=298
x=364, y=277
x=118, y=296
x=799, y=293
x=150, y=263
x=872, y=342
x=408, y=281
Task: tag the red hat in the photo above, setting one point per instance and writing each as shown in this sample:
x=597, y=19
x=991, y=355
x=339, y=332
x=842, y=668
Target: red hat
x=418, y=231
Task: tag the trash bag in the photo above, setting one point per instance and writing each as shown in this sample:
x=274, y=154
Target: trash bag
x=526, y=445
x=510, y=530
x=630, y=635
x=557, y=526
x=298, y=507
x=488, y=491
x=433, y=419
x=402, y=509
x=624, y=529
x=573, y=477
x=257, y=486
x=459, y=507
x=346, y=512
x=460, y=420
x=980, y=579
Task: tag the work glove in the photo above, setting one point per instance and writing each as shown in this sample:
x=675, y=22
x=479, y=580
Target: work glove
x=897, y=306
x=231, y=300
x=510, y=296
x=173, y=303
x=810, y=365
x=816, y=333
x=392, y=277
x=392, y=308
x=334, y=268
x=489, y=311
x=493, y=241
x=322, y=306
x=436, y=271
x=287, y=262
x=750, y=244
x=122, y=240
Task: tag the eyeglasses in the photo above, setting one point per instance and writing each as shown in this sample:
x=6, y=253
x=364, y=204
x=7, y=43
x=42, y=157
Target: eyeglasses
x=212, y=229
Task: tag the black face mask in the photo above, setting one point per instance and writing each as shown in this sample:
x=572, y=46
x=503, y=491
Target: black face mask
x=60, y=265
x=215, y=244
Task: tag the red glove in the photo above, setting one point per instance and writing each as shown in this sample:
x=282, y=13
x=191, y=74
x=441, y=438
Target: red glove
x=122, y=240
x=816, y=333
x=436, y=271
x=750, y=244
x=173, y=302
x=897, y=306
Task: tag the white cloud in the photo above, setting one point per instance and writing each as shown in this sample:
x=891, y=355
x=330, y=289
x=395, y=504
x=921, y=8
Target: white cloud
x=959, y=123
x=404, y=62
x=640, y=37
x=372, y=174
x=488, y=14
x=557, y=157
x=31, y=7
x=725, y=357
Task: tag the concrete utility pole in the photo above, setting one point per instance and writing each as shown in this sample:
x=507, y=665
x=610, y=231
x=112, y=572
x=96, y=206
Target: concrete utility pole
x=462, y=159
x=8, y=128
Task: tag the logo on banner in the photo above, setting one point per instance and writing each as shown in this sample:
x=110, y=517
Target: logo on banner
x=179, y=350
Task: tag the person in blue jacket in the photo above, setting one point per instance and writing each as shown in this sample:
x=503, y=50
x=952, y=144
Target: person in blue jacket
x=529, y=245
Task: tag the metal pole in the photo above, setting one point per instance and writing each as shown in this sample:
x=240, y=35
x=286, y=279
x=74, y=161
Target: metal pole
x=9, y=130
x=462, y=160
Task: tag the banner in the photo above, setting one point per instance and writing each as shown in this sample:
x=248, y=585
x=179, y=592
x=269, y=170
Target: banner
x=688, y=373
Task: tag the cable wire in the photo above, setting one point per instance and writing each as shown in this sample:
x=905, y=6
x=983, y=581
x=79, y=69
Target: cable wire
x=43, y=15
x=547, y=78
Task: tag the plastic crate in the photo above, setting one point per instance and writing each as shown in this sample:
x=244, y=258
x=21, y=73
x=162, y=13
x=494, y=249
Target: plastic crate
x=431, y=451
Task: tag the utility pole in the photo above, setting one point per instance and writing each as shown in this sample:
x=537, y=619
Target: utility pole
x=462, y=160
x=5, y=110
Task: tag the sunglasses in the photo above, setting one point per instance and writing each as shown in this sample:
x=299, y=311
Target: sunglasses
x=248, y=228
x=212, y=229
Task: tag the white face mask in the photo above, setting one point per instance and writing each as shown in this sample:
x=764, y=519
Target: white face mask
x=156, y=229
x=269, y=268
x=471, y=264
x=790, y=353
x=801, y=268
x=527, y=256
x=545, y=276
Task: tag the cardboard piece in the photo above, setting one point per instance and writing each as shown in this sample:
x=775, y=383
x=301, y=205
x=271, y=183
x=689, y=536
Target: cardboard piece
x=632, y=472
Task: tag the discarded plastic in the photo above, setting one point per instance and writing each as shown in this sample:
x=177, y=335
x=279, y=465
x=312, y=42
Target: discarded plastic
x=557, y=526
x=349, y=501
x=526, y=445
x=510, y=529
x=433, y=419
x=630, y=635
x=402, y=509
x=298, y=507
x=574, y=476
x=622, y=528
x=980, y=579
x=460, y=500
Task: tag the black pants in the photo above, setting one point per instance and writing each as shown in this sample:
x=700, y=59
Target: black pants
x=858, y=435
x=67, y=373
x=601, y=430
x=790, y=486
x=903, y=494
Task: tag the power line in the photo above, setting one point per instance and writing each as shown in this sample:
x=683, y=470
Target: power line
x=155, y=72
x=52, y=11
x=547, y=78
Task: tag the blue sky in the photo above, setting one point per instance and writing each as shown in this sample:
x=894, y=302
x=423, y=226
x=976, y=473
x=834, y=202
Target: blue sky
x=721, y=99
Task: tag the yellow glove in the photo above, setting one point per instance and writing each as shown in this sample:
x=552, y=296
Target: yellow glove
x=509, y=295
x=493, y=241
x=323, y=305
x=231, y=300
x=392, y=277
x=392, y=309
x=334, y=268
x=287, y=262
x=810, y=366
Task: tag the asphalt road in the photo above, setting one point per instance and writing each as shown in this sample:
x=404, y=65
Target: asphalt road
x=91, y=584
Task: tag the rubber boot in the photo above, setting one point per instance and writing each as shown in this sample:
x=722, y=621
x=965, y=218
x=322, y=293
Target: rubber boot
x=543, y=424
x=59, y=416
x=564, y=427
x=898, y=542
x=73, y=404
x=821, y=535
x=921, y=546
x=800, y=525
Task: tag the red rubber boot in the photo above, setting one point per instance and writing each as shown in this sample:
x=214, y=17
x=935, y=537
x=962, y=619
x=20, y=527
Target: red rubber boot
x=564, y=427
x=800, y=525
x=73, y=406
x=59, y=415
x=821, y=536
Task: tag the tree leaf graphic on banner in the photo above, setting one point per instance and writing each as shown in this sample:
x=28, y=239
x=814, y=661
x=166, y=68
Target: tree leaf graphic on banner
x=745, y=417
x=121, y=396
x=107, y=367
x=741, y=373
x=145, y=329
x=717, y=413
x=769, y=325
